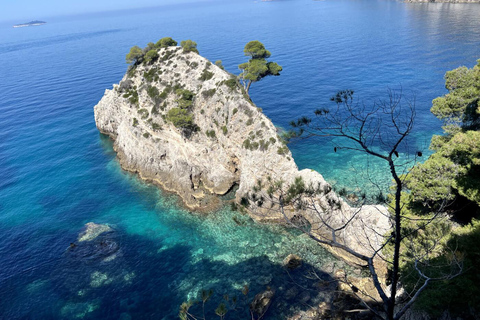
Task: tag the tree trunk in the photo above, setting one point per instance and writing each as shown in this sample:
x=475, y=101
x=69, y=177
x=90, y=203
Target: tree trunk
x=398, y=239
x=248, y=86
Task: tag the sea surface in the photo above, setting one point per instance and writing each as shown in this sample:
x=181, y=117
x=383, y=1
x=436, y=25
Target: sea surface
x=57, y=172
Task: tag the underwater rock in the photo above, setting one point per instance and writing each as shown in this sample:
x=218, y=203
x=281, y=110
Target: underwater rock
x=99, y=279
x=261, y=302
x=292, y=261
x=79, y=310
x=92, y=231
x=96, y=242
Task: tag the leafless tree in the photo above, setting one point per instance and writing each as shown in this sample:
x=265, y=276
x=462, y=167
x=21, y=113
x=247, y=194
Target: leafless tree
x=380, y=130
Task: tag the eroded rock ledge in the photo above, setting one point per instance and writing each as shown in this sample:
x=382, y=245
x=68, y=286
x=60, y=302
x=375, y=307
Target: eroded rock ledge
x=233, y=142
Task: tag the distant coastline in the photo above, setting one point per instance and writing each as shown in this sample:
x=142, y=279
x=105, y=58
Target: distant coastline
x=30, y=24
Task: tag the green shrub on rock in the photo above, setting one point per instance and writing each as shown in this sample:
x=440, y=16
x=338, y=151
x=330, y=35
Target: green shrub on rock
x=166, y=42
x=151, y=56
x=134, y=55
x=182, y=119
x=189, y=46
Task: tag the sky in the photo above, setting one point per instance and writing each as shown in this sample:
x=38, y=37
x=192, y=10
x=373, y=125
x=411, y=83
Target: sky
x=27, y=10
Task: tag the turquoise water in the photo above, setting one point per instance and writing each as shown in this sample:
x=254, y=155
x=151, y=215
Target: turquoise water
x=58, y=173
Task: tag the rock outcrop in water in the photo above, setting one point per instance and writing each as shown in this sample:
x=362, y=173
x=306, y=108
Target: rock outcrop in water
x=187, y=125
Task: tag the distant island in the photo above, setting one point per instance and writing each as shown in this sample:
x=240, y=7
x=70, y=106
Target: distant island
x=29, y=24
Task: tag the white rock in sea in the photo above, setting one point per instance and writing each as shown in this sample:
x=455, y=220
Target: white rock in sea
x=235, y=144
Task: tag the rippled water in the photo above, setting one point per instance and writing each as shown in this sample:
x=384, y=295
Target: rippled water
x=58, y=173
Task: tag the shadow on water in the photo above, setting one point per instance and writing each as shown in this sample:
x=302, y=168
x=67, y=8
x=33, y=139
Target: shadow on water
x=120, y=275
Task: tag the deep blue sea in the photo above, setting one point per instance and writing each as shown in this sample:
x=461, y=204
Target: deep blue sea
x=57, y=172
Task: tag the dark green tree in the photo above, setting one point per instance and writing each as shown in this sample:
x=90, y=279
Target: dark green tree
x=452, y=172
x=150, y=46
x=189, y=46
x=257, y=67
x=135, y=55
x=166, y=42
x=151, y=56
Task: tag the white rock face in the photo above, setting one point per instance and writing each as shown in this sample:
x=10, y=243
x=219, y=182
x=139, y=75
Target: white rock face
x=199, y=165
x=235, y=144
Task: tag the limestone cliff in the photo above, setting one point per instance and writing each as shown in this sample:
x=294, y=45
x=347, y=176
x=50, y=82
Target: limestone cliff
x=187, y=125
x=233, y=143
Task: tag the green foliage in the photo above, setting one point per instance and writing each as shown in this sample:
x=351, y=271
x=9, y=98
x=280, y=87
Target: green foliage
x=135, y=122
x=189, y=46
x=132, y=96
x=249, y=121
x=151, y=75
x=460, y=107
x=256, y=50
x=453, y=169
x=232, y=84
x=152, y=92
x=165, y=93
x=156, y=126
x=254, y=70
x=146, y=135
x=134, y=55
x=451, y=173
x=235, y=110
x=247, y=144
x=257, y=67
x=224, y=130
x=144, y=113
x=206, y=75
x=181, y=118
x=151, y=56
x=282, y=150
x=166, y=42
x=209, y=93
x=167, y=55
x=219, y=64
x=461, y=295
x=185, y=94
x=211, y=134
x=264, y=145
x=186, y=98
x=194, y=65
x=150, y=46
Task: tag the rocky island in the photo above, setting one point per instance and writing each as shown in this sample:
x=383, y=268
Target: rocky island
x=188, y=126
x=30, y=24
